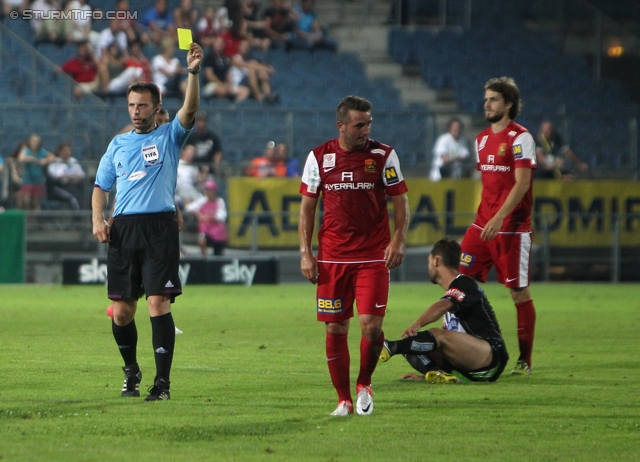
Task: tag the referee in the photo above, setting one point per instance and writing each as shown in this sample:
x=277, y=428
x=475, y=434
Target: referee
x=143, y=241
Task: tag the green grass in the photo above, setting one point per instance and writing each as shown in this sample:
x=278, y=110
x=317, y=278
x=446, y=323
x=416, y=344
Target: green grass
x=250, y=382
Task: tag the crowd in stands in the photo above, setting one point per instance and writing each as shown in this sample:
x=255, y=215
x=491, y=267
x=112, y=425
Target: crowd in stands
x=32, y=174
x=235, y=37
x=112, y=54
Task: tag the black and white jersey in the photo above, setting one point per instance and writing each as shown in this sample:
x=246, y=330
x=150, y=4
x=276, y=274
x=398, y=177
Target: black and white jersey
x=471, y=313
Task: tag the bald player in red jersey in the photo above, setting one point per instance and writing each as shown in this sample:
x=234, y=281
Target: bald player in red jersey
x=501, y=232
x=355, y=174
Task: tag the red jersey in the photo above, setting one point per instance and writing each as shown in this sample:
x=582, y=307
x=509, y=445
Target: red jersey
x=499, y=154
x=354, y=186
x=81, y=71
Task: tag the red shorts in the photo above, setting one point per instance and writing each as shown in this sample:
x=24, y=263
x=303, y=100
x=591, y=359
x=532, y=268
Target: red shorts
x=510, y=253
x=340, y=284
x=35, y=190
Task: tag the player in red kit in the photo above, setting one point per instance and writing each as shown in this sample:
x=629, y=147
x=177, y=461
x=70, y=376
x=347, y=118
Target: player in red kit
x=355, y=174
x=500, y=236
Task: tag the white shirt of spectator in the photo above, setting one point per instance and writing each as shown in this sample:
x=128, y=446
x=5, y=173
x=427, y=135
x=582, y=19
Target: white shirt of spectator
x=446, y=144
x=107, y=38
x=159, y=64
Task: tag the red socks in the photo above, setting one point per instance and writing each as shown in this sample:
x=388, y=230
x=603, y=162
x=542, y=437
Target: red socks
x=338, y=361
x=369, y=354
x=526, y=328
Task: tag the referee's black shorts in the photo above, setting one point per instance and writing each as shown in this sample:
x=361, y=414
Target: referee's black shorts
x=144, y=256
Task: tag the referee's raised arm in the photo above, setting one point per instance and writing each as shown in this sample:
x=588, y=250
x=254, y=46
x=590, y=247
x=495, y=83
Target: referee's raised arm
x=187, y=112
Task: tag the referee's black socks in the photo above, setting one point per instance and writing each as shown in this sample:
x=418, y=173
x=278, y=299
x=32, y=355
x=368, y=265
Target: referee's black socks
x=127, y=340
x=164, y=339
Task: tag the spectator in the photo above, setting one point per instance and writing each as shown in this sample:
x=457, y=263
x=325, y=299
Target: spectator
x=233, y=36
x=65, y=178
x=33, y=158
x=138, y=59
x=188, y=178
x=83, y=68
x=49, y=27
x=450, y=153
x=80, y=23
x=212, y=217
x=217, y=75
x=280, y=24
x=13, y=178
x=116, y=76
x=114, y=33
x=255, y=25
x=134, y=30
x=212, y=24
x=283, y=165
x=166, y=69
x=186, y=16
x=263, y=166
x=309, y=32
x=249, y=72
x=14, y=5
x=209, y=156
x=207, y=144
x=555, y=158
x=159, y=22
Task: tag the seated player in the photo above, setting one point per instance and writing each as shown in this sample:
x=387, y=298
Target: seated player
x=470, y=341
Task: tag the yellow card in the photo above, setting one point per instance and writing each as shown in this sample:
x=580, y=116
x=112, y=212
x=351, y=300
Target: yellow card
x=184, y=38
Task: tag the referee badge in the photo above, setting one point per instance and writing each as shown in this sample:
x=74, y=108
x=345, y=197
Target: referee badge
x=150, y=155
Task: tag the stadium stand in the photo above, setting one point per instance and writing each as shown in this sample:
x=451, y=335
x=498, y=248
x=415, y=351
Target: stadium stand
x=309, y=86
x=552, y=83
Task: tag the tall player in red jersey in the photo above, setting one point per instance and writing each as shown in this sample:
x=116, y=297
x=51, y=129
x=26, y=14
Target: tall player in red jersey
x=500, y=236
x=356, y=250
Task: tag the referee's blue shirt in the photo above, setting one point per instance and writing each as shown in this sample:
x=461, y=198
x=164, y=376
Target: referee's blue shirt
x=144, y=168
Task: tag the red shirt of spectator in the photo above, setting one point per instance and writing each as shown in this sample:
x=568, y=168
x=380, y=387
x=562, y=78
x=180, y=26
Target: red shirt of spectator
x=82, y=68
x=231, y=43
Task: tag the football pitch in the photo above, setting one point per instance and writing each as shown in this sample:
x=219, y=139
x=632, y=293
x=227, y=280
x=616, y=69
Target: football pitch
x=250, y=382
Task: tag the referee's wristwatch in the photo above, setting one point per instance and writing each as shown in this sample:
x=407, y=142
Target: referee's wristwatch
x=193, y=71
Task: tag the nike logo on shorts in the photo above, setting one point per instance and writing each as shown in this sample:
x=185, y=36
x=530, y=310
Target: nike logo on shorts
x=380, y=306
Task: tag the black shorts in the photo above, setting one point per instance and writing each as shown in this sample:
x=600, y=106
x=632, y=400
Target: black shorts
x=493, y=370
x=144, y=256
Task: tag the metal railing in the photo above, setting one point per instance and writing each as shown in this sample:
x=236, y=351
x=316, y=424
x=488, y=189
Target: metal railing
x=54, y=235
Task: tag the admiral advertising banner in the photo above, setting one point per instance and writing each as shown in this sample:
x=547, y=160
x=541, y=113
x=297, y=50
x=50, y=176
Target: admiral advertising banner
x=577, y=214
x=247, y=271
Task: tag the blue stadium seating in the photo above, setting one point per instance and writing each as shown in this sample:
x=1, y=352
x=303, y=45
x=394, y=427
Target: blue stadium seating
x=551, y=83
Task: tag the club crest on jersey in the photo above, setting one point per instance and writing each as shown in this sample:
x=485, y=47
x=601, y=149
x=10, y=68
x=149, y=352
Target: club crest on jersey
x=328, y=161
x=150, y=155
x=517, y=151
x=369, y=166
x=503, y=149
x=391, y=175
